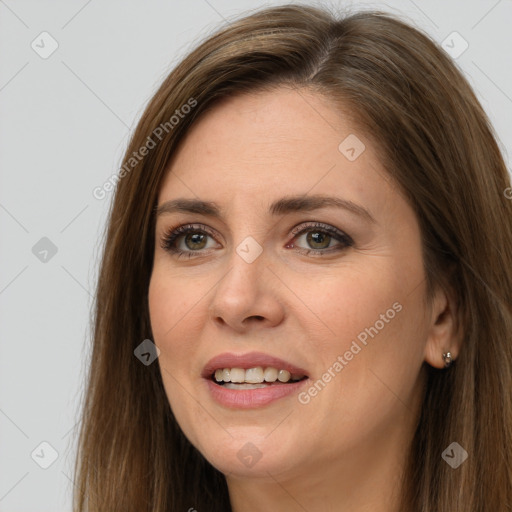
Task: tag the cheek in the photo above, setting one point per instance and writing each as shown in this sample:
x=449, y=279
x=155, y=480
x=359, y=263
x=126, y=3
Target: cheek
x=375, y=328
x=372, y=318
x=351, y=300
x=173, y=310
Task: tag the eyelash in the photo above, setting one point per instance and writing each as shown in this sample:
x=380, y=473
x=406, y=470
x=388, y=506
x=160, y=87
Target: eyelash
x=168, y=241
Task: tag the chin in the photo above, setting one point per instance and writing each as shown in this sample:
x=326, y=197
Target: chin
x=248, y=455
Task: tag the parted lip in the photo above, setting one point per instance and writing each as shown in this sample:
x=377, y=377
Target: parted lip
x=248, y=360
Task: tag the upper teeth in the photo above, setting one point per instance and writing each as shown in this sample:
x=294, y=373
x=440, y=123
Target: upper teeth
x=254, y=375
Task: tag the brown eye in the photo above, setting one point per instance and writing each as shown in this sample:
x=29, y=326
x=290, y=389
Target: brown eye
x=319, y=237
x=194, y=238
x=195, y=241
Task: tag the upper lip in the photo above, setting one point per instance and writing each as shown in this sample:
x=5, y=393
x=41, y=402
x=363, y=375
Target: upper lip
x=248, y=360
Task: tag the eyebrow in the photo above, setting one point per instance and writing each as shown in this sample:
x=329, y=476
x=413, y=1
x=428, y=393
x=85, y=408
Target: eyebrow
x=288, y=204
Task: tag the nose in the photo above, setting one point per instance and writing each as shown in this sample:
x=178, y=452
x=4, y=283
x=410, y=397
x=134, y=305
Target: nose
x=247, y=296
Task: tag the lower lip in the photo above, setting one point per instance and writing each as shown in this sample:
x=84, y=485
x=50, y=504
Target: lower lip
x=251, y=398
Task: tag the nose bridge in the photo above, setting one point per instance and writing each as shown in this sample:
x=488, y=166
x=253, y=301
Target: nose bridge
x=246, y=262
x=248, y=235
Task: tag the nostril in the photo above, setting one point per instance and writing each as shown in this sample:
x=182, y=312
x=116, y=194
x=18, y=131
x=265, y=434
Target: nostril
x=256, y=317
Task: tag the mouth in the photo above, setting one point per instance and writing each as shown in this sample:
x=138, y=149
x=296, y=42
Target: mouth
x=254, y=378
x=251, y=371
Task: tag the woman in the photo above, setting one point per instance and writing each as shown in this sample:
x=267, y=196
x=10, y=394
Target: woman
x=305, y=294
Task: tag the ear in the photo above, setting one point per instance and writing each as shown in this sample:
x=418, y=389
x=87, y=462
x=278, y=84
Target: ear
x=445, y=333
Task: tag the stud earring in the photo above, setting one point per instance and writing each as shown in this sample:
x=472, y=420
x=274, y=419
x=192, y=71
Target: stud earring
x=447, y=357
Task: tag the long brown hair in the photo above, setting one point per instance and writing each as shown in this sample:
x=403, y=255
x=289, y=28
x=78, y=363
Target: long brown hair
x=435, y=141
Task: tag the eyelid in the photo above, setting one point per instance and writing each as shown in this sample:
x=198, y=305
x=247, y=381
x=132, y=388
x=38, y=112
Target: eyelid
x=172, y=233
x=321, y=226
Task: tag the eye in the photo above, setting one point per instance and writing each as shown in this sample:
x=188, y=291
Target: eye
x=190, y=240
x=319, y=236
x=194, y=237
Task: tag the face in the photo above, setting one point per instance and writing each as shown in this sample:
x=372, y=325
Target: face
x=336, y=289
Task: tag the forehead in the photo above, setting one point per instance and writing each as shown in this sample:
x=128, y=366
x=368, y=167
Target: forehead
x=256, y=148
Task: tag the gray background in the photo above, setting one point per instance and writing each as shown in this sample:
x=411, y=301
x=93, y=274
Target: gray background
x=65, y=122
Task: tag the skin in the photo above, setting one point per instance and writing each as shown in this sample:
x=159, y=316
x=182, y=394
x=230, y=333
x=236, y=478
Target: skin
x=345, y=449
